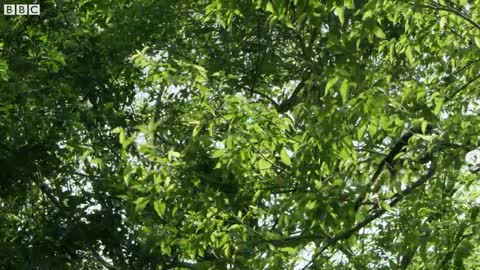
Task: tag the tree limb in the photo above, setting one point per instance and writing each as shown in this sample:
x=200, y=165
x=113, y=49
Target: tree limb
x=388, y=159
x=378, y=213
x=437, y=6
x=329, y=241
x=406, y=258
x=60, y=206
x=463, y=87
x=271, y=100
x=290, y=102
x=102, y=260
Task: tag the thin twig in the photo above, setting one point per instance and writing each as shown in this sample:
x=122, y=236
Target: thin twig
x=271, y=100
x=463, y=87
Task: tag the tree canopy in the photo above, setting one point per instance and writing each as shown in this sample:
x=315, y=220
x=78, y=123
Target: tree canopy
x=223, y=134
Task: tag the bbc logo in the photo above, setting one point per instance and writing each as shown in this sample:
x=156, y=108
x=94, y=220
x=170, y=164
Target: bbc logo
x=21, y=9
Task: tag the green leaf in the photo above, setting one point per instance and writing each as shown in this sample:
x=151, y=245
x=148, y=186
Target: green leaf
x=349, y=4
x=361, y=131
x=140, y=203
x=97, y=161
x=338, y=182
x=117, y=130
x=379, y=32
x=372, y=129
x=340, y=14
x=424, y=126
x=86, y=154
x=344, y=90
x=477, y=41
x=159, y=207
x=409, y=54
x=263, y=164
x=438, y=106
x=311, y=205
x=211, y=129
x=330, y=84
x=386, y=206
x=284, y=157
x=368, y=14
x=269, y=7
x=166, y=248
x=196, y=130
x=228, y=251
x=173, y=154
x=443, y=22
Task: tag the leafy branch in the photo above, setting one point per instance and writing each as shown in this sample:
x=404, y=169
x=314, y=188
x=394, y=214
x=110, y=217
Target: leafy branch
x=389, y=159
x=61, y=207
x=437, y=6
x=376, y=214
x=293, y=100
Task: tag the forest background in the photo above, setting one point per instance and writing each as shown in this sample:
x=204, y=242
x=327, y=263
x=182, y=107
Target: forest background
x=266, y=134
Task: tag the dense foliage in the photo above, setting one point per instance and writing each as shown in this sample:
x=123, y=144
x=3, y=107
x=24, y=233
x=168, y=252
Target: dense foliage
x=222, y=134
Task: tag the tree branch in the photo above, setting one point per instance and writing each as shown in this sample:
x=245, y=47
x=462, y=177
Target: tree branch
x=437, y=6
x=459, y=237
x=290, y=102
x=329, y=241
x=102, y=260
x=388, y=159
x=60, y=206
x=274, y=103
x=463, y=87
x=406, y=258
x=378, y=213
